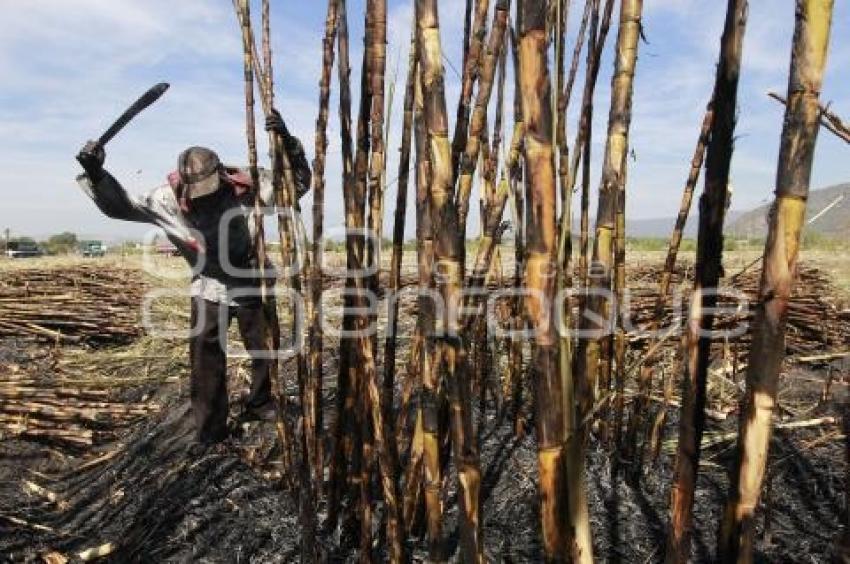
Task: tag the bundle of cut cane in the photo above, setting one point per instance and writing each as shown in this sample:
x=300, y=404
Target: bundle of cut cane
x=54, y=412
x=815, y=319
x=71, y=305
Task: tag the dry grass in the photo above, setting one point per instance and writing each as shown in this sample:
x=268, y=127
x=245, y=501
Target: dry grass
x=171, y=272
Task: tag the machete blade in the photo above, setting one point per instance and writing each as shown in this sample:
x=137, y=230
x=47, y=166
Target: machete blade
x=146, y=99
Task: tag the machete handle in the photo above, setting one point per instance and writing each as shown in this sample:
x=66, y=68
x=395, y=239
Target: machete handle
x=146, y=99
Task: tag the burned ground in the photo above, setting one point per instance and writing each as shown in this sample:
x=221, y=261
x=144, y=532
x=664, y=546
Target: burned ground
x=148, y=494
x=155, y=498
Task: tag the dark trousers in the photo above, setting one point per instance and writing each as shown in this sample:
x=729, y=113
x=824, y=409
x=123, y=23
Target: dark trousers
x=210, y=321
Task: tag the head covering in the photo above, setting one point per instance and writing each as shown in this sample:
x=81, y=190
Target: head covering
x=199, y=170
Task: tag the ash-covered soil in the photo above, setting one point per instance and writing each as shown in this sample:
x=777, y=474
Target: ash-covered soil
x=155, y=497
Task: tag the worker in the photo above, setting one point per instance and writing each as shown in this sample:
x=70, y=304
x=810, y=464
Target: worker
x=206, y=212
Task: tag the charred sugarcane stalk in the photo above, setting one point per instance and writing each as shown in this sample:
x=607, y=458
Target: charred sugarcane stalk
x=565, y=235
x=619, y=343
x=566, y=94
x=829, y=119
x=398, y=249
x=581, y=147
x=577, y=517
x=494, y=199
x=513, y=170
x=286, y=203
x=489, y=62
x=697, y=338
x=270, y=328
x=314, y=395
x=345, y=427
x=413, y=481
x=489, y=240
x=360, y=350
x=472, y=60
x=647, y=369
x=377, y=159
x=613, y=180
x=491, y=165
x=376, y=63
x=540, y=268
x=427, y=425
x=796, y=154
x=448, y=254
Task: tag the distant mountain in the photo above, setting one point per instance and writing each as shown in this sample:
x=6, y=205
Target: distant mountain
x=663, y=227
x=834, y=223
x=657, y=227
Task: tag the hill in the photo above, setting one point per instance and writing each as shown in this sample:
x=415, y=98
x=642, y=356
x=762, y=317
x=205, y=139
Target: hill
x=663, y=226
x=834, y=223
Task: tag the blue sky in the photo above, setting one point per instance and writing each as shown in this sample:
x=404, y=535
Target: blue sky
x=69, y=67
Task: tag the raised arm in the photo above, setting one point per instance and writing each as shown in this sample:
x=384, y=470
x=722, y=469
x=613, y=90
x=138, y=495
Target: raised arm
x=158, y=207
x=106, y=192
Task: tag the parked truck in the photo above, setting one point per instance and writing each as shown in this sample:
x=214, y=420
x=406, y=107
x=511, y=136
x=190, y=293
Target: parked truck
x=92, y=248
x=23, y=249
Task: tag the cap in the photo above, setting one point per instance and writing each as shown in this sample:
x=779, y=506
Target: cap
x=199, y=171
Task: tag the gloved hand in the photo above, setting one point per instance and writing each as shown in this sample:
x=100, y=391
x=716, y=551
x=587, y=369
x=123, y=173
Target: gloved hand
x=295, y=152
x=91, y=157
x=274, y=122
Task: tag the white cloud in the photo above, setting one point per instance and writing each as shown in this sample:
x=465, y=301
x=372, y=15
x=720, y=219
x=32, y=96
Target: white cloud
x=68, y=67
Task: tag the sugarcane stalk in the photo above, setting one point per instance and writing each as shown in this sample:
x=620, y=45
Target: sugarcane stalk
x=613, y=178
x=385, y=464
x=591, y=384
x=577, y=517
x=540, y=268
x=829, y=119
x=74, y=438
x=560, y=17
x=286, y=203
x=565, y=226
x=496, y=198
x=566, y=96
x=493, y=203
x=581, y=147
x=708, y=267
x=786, y=224
x=360, y=349
x=345, y=424
x=647, y=369
x=427, y=424
x=492, y=162
x=488, y=242
x=467, y=30
x=448, y=253
x=269, y=320
x=489, y=60
x=619, y=337
x=376, y=64
x=472, y=59
x=282, y=179
x=514, y=173
x=377, y=159
x=316, y=284
x=398, y=249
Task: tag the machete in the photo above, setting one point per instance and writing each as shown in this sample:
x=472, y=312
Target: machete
x=143, y=102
